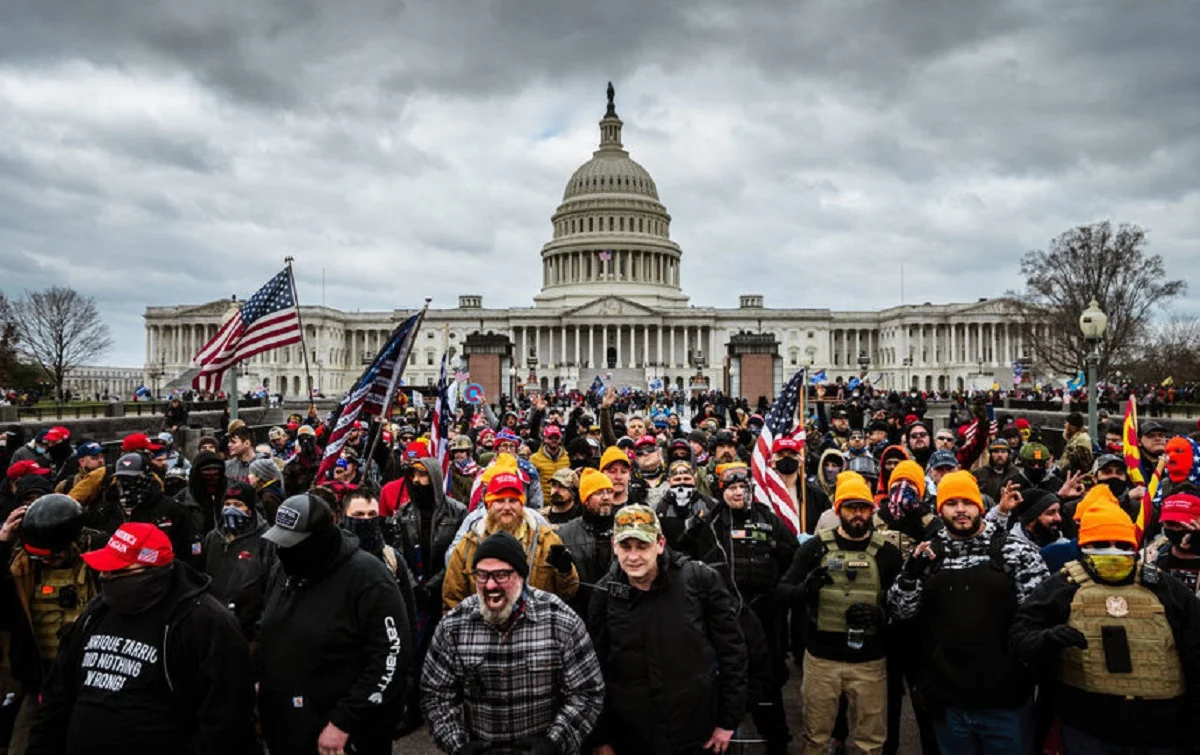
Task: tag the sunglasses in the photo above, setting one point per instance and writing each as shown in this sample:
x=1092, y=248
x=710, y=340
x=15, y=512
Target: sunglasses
x=918, y=435
x=646, y=451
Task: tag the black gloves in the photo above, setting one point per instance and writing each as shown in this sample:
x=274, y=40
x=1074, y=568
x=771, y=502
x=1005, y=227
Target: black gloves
x=917, y=566
x=1066, y=636
x=560, y=559
x=812, y=584
x=864, y=616
x=537, y=746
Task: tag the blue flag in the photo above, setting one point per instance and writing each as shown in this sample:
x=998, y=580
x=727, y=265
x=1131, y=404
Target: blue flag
x=853, y=383
x=597, y=386
x=817, y=377
x=1077, y=382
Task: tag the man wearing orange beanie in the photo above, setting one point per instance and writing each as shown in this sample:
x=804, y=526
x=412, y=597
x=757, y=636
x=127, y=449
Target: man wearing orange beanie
x=550, y=566
x=1119, y=649
x=962, y=587
x=840, y=580
x=588, y=538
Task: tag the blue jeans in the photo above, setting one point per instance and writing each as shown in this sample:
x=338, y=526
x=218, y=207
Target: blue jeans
x=1076, y=742
x=990, y=731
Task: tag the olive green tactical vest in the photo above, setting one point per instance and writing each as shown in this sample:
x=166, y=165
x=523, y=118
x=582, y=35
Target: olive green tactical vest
x=1157, y=673
x=905, y=544
x=863, y=587
x=53, y=611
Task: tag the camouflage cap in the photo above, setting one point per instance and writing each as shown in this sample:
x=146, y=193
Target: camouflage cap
x=636, y=521
x=1035, y=452
x=567, y=478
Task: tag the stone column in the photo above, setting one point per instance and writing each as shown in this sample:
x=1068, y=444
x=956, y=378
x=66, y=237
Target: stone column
x=671, y=361
x=604, y=347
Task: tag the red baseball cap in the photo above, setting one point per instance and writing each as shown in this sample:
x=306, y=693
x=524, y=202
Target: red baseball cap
x=645, y=440
x=503, y=482
x=1021, y=423
x=1181, y=507
x=135, y=442
x=57, y=434
x=19, y=469
x=787, y=444
x=132, y=543
x=550, y=430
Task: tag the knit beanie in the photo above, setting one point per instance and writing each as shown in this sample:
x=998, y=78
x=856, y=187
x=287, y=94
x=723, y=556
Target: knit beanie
x=851, y=487
x=612, y=455
x=1101, y=523
x=1099, y=494
x=502, y=546
x=264, y=469
x=960, y=484
x=592, y=481
x=911, y=471
x=1034, y=503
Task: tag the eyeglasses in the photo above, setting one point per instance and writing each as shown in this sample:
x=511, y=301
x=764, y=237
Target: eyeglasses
x=944, y=439
x=646, y=451
x=918, y=435
x=626, y=518
x=499, y=576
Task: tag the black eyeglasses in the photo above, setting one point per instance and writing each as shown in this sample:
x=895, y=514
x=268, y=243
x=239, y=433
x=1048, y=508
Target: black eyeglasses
x=646, y=451
x=499, y=576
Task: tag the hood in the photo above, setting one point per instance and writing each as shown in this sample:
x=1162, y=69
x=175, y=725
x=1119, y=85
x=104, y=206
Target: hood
x=204, y=460
x=825, y=455
x=435, y=479
x=890, y=452
x=186, y=584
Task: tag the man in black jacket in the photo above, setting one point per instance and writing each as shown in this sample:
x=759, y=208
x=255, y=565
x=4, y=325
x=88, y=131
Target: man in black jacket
x=334, y=639
x=154, y=664
x=139, y=498
x=237, y=557
x=589, y=538
x=672, y=651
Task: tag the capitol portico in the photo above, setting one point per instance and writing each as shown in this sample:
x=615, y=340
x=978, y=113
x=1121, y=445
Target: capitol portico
x=611, y=304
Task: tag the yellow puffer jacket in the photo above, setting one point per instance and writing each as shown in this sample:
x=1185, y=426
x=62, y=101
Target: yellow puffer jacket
x=458, y=585
x=546, y=468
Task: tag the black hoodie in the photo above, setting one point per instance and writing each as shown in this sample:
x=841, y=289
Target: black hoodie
x=175, y=678
x=203, y=505
x=334, y=648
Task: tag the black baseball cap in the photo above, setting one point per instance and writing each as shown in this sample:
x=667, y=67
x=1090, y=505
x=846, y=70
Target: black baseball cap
x=297, y=518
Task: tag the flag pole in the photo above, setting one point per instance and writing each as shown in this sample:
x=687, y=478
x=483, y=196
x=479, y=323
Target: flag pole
x=803, y=518
x=303, y=346
x=391, y=393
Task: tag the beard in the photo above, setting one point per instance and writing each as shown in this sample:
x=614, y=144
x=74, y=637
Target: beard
x=497, y=616
x=964, y=530
x=856, y=528
x=495, y=523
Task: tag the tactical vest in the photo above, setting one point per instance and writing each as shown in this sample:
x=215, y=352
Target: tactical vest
x=59, y=596
x=1157, y=673
x=855, y=576
x=904, y=543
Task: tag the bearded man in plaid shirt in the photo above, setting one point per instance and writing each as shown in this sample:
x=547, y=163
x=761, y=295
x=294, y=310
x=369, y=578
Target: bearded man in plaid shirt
x=511, y=666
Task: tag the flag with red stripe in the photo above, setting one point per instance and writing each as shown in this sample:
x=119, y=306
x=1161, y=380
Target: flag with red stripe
x=1133, y=464
x=268, y=320
x=440, y=427
x=780, y=422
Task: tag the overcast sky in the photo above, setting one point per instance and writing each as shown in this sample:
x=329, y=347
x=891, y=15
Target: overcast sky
x=173, y=152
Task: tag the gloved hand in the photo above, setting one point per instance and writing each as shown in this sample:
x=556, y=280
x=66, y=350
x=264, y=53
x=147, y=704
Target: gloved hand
x=421, y=594
x=864, y=616
x=473, y=748
x=560, y=559
x=816, y=579
x=1066, y=636
x=917, y=566
x=537, y=746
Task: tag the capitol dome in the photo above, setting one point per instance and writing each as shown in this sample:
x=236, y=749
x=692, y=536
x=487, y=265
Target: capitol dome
x=611, y=232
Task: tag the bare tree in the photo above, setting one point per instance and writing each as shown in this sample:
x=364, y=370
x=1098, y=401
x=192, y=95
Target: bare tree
x=1172, y=351
x=9, y=361
x=1085, y=263
x=60, y=330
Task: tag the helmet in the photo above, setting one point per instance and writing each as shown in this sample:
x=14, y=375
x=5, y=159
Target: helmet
x=51, y=524
x=461, y=443
x=864, y=465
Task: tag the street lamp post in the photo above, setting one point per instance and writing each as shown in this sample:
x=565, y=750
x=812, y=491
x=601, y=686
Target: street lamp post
x=864, y=361
x=1093, y=322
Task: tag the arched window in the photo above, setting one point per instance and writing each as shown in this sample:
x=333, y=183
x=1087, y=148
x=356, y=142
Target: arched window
x=610, y=223
x=620, y=224
x=590, y=228
x=639, y=225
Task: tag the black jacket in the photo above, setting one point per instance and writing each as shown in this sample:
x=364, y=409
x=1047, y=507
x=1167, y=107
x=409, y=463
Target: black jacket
x=239, y=568
x=752, y=548
x=428, y=567
x=204, y=507
x=1117, y=721
x=590, y=544
x=335, y=648
x=205, y=664
x=674, y=658
x=158, y=509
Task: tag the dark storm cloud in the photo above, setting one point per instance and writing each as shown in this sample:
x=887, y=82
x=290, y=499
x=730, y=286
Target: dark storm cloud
x=412, y=149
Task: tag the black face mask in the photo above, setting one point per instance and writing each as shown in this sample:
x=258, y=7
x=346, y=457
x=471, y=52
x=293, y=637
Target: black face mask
x=422, y=495
x=137, y=592
x=135, y=491
x=59, y=452
x=600, y=523
x=311, y=556
x=579, y=462
x=787, y=465
x=369, y=532
x=1035, y=474
x=1118, y=486
x=1177, y=536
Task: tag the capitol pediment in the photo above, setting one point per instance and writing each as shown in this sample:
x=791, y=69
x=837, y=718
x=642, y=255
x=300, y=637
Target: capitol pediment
x=213, y=308
x=610, y=306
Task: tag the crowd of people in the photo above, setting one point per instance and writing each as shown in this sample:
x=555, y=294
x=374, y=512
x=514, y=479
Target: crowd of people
x=602, y=573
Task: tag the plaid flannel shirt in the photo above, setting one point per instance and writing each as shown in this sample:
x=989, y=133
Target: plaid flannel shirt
x=538, y=678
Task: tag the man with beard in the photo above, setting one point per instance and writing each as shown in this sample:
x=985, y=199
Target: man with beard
x=550, y=457
x=962, y=587
x=1039, y=518
x=667, y=635
x=425, y=529
x=588, y=538
x=564, y=490
x=842, y=576
x=724, y=451
x=334, y=639
x=155, y=664
x=680, y=501
x=463, y=467
x=1117, y=647
x=471, y=696
x=991, y=477
x=550, y=565
x=301, y=469
x=88, y=483
x=238, y=559
x=751, y=547
x=919, y=442
x=615, y=464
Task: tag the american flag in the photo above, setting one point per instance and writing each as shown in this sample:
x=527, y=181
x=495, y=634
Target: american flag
x=440, y=428
x=780, y=422
x=605, y=255
x=268, y=320
x=373, y=392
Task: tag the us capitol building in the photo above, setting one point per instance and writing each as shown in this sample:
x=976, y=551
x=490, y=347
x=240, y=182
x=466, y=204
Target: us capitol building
x=611, y=305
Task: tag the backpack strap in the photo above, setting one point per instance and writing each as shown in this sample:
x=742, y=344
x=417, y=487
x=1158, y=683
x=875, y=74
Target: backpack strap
x=1076, y=574
x=828, y=538
x=877, y=542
